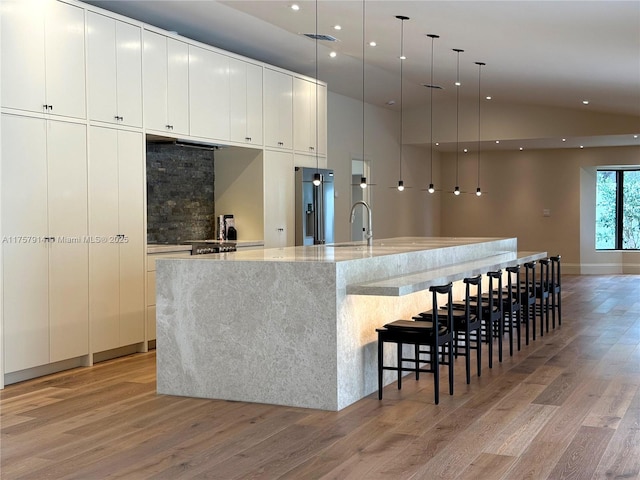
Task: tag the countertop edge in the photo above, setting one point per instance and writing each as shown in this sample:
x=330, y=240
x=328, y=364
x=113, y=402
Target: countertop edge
x=417, y=282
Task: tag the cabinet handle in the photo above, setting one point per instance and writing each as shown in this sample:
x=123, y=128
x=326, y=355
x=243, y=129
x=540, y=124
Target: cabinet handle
x=47, y=107
x=248, y=139
x=51, y=108
x=311, y=148
x=119, y=118
x=169, y=127
x=281, y=144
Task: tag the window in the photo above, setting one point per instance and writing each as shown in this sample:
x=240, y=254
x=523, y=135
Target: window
x=618, y=210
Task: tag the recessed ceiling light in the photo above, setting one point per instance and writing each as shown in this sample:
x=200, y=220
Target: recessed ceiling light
x=437, y=143
x=403, y=57
x=337, y=27
x=635, y=136
x=465, y=150
x=333, y=54
x=295, y=7
x=372, y=44
x=585, y=102
x=497, y=141
x=564, y=139
x=521, y=148
x=488, y=97
x=457, y=84
x=581, y=146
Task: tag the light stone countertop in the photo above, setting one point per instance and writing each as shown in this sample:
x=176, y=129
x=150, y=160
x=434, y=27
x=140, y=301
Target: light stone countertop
x=341, y=252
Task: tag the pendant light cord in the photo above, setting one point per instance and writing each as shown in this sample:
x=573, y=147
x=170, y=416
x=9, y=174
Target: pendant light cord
x=401, y=90
x=431, y=87
x=479, y=80
x=317, y=103
x=363, y=52
x=457, y=50
x=402, y=18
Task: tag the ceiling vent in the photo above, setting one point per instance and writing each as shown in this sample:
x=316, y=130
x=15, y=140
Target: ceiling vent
x=321, y=36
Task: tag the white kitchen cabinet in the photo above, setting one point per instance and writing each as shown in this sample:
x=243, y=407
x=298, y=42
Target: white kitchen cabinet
x=44, y=215
x=43, y=58
x=245, y=109
x=309, y=117
x=114, y=65
x=166, y=84
x=279, y=199
x=278, y=109
x=209, y=105
x=116, y=222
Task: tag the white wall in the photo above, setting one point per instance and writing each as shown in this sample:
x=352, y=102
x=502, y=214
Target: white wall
x=519, y=186
x=408, y=213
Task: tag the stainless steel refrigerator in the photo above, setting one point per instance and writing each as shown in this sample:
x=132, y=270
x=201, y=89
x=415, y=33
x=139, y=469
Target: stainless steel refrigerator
x=314, y=207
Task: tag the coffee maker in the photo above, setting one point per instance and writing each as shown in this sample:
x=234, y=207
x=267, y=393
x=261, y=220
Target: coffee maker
x=227, y=228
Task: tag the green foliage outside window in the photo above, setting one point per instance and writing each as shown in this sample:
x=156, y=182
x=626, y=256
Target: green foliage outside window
x=618, y=210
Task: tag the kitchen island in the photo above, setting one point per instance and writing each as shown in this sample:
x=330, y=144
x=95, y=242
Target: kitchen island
x=296, y=326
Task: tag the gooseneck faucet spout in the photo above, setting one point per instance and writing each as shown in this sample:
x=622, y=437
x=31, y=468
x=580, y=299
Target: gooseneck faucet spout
x=369, y=235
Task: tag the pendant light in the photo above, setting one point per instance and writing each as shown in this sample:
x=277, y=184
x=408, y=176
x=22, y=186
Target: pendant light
x=363, y=180
x=431, y=86
x=317, y=178
x=480, y=65
x=456, y=190
x=402, y=18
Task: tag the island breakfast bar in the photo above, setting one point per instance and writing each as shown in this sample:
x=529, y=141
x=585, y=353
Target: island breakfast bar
x=296, y=326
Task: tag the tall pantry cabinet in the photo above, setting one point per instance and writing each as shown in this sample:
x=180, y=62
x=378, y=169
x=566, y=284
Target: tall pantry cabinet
x=116, y=254
x=44, y=224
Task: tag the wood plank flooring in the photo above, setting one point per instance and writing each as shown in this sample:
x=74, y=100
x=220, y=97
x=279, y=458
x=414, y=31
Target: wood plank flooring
x=565, y=407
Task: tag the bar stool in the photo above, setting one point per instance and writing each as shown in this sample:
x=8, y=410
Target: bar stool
x=467, y=326
x=555, y=289
x=432, y=336
x=528, y=298
x=511, y=305
x=492, y=314
x=542, y=294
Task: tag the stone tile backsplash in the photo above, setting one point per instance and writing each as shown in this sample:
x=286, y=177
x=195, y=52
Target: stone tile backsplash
x=180, y=193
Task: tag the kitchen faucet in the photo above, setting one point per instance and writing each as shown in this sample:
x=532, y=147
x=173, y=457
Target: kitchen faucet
x=369, y=235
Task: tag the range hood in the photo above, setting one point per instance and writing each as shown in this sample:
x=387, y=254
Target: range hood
x=180, y=142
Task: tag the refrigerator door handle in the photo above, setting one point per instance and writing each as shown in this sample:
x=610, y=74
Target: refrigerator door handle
x=319, y=231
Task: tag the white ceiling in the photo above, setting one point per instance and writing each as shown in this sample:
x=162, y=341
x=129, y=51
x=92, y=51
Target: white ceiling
x=556, y=53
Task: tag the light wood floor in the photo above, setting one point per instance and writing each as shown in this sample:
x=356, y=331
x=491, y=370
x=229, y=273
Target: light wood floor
x=566, y=406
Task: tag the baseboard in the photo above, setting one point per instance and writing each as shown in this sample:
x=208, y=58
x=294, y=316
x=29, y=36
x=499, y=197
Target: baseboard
x=608, y=269
x=42, y=370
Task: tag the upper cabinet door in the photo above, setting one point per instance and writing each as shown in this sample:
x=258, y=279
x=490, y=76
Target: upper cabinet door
x=245, y=83
x=321, y=119
x=303, y=116
x=114, y=71
x=43, y=67
x=166, y=84
x=208, y=94
x=178, y=86
x=155, y=81
x=310, y=117
x=129, y=74
x=278, y=109
x=22, y=56
x=101, y=67
x=64, y=60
